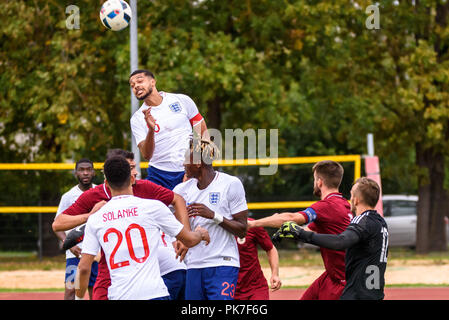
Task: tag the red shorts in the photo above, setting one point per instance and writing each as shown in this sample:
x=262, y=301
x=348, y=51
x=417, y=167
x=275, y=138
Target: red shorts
x=100, y=291
x=254, y=294
x=324, y=288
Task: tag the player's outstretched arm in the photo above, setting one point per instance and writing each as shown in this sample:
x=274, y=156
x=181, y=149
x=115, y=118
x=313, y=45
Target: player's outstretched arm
x=192, y=238
x=277, y=219
x=342, y=241
x=65, y=222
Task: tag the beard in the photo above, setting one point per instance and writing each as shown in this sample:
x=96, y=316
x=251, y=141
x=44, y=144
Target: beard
x=150, y=90
x=85, y=184
x=316, y=192
x=353, y=209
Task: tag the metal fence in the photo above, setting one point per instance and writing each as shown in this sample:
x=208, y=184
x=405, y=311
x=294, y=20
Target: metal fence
x=25, y=228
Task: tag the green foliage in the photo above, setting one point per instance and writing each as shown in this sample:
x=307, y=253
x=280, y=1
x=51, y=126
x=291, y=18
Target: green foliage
x=308, y=68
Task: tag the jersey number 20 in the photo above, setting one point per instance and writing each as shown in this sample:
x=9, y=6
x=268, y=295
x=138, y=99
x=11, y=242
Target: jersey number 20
x=132, y=254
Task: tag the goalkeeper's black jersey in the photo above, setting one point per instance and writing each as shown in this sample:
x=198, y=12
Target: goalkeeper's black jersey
x=366, y=261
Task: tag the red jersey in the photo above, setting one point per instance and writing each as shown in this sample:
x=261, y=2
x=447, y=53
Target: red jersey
x=330, y=216
x=142, y=189
x=250, y=274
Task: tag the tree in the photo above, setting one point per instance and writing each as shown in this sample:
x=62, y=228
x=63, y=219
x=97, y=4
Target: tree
x=311, y=69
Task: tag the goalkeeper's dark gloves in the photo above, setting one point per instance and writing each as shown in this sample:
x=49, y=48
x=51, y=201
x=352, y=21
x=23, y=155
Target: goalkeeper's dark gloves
x=291, y=230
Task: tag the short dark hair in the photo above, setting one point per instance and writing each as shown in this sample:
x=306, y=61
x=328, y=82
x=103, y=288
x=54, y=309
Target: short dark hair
x=120, y=152
x=368, y=190
x=148, y=73
x=117, y=172
x=83, y=160
x=330, y=172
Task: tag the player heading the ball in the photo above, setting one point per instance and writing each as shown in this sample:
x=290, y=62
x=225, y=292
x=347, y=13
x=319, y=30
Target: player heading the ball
x=162, y=128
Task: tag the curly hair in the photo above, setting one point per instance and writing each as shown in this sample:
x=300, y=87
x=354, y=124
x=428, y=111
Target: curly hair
x=204, y=149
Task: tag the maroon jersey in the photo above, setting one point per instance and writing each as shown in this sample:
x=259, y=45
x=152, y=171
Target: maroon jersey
x=142, y=189
x=250, y=274
x=331, y=216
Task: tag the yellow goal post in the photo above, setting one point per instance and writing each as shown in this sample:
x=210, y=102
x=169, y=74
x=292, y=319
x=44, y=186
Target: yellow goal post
x=356, y=159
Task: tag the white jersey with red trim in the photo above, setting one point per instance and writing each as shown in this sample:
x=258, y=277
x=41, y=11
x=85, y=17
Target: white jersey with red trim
x=224, y=195
x=67, y=200
x=174, y=118
x=166, y=252
x=127, y=228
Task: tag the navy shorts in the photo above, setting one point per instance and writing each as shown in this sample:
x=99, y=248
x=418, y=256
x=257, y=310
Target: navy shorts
x=163, y=178
x=70, y=271
x=162, y=298
x=175, y=282
x=214, y=283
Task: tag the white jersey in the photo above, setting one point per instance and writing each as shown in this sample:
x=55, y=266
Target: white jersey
x=67, y=200
x=167, y=255
x=224, y=195
x=127, y=228
x=174, y=118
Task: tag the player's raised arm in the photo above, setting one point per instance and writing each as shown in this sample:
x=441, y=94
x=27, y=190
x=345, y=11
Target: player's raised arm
x=146, y=147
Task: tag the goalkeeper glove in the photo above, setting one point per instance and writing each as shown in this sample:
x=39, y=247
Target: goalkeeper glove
x=276, y=236
x=288, y=230
x=291, y=230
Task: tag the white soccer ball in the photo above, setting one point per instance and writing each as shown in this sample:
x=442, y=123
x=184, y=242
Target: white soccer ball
x=115, y=14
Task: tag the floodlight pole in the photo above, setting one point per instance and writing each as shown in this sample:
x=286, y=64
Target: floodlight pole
x=370, y=144
x=134, y=65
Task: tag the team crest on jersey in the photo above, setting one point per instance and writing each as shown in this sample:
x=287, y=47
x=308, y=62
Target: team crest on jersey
x=175, y=107
x=241, y=240
x=214, y=197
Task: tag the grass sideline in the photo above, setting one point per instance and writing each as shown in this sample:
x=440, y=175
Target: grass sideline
x=10, y=261
x=305, y=257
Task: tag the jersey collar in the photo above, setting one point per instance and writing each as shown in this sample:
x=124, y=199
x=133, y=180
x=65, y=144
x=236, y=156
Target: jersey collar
x=106, y=191
x=333, y=194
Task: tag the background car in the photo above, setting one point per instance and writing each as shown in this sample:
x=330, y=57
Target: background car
x=400, y=213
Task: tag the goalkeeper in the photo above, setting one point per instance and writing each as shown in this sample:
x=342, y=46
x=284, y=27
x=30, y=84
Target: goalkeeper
x=365, y=239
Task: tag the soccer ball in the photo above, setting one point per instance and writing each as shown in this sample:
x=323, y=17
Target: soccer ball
x=115, y=14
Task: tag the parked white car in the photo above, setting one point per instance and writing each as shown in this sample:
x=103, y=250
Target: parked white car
x=400, y=213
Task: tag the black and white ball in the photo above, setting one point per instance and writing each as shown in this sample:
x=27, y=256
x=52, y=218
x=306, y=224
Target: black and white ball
x=115, y=14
